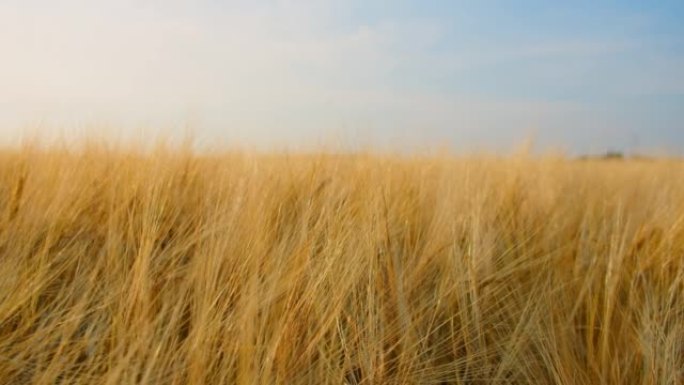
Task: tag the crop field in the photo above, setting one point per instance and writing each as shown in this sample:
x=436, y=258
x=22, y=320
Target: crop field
x=170, y=266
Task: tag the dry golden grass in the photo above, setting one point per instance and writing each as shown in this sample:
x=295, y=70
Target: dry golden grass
x=174, y=268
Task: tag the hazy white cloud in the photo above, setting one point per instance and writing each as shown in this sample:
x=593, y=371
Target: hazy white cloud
x=248, y=69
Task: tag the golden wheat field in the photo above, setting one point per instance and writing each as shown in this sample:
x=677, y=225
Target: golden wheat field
x=173, y=267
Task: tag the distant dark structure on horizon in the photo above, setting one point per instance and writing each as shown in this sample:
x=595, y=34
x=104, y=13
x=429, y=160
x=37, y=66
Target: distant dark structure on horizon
x=611, y=154
x=617, y=156
x=608, y=155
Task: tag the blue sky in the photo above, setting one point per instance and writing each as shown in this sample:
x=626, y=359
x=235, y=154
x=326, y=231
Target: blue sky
x=581, y=76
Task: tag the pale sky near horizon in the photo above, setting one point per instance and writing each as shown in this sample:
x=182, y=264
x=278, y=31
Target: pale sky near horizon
x=583, y=76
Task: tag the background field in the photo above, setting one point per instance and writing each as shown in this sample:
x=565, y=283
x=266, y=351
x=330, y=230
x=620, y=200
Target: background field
x=122, y=267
